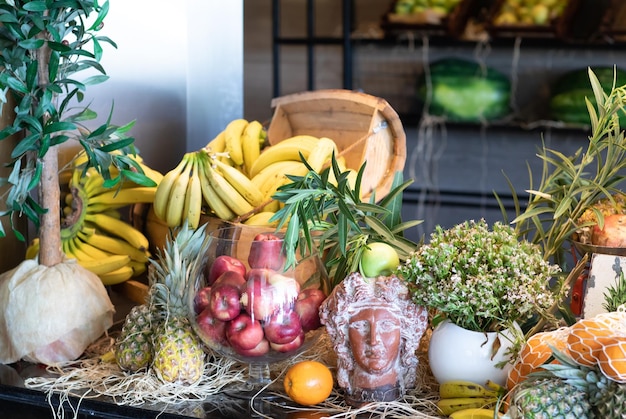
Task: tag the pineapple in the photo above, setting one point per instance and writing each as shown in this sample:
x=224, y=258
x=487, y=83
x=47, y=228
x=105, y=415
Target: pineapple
x=133, y=349
x=560, y=393
x=549, y=398
x=178, y=353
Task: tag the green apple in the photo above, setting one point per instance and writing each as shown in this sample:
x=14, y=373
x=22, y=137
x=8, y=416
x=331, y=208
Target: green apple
x=378, y=258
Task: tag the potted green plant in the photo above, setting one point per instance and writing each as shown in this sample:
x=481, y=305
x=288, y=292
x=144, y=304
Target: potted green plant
x=484, y=280
x=52, y=307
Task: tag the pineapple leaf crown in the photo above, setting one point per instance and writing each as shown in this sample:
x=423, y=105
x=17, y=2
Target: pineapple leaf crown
x=181, y=260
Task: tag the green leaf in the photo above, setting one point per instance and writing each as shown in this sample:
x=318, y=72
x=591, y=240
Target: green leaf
x=59, y=126
x=90, y=81
x=28, y=143
x=36, y=176
x=17, y=85
x=104, y=10
x=35, y=6
x=31, y=43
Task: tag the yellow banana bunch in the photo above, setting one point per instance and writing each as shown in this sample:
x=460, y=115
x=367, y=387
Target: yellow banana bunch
x=459, y=395
x=178, y=197
x=93, y=231
x=234, y=176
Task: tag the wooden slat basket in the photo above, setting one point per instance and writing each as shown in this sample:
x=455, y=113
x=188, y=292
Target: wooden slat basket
x=366, y=129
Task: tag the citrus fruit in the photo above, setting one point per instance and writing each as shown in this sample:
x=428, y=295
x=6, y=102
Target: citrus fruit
x=308, y=382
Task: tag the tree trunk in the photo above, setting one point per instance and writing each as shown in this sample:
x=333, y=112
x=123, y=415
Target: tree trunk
x=50, y=252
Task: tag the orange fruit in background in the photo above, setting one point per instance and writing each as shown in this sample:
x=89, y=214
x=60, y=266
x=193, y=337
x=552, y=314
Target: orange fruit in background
x=308, y=382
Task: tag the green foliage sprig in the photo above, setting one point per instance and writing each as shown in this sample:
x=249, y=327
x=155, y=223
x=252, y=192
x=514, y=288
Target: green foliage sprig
x=571, y=185
x=335, y=221
x=44, y=43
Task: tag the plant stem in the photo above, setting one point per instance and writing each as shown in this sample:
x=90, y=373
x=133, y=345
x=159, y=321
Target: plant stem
x=50, y=252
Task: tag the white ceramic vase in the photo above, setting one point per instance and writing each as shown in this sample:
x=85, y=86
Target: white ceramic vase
x=456, y=353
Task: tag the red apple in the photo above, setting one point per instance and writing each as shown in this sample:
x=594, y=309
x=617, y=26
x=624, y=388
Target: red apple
x=289, y=346
x=201, y=299
x=243, y=332
x=212, y=328
x=257, y=298
x=231, y=278
x=266, y=251
x=261, y=349
x=221, y=264
x=267, y=291
x=224, y=302
x=285, y=288
x=282, y=327
x=308, y=307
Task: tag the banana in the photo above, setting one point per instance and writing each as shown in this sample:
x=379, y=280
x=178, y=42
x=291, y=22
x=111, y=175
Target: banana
x=232, y=140
x=126, y=196
x=321, y=153
x=461, y=388
x=106, y=265
x=138, y=267
x=119, y=228
x=217, y=144
x=162, y=194
x=276, y=171
x=449, y=406
x=89, y=250
x=94, y=182
x=193, y=198
x=178, y=191
x=117, y=276
x=231, y=197
x=32, y=251
x=288, y=149
x=212, y=199
x=261, y=219
x=270, y=185
x=241, y=182
x=475, y=413
x=115, y=246
x=250, y=144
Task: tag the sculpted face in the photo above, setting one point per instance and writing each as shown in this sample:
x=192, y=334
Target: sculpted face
x=374, y=335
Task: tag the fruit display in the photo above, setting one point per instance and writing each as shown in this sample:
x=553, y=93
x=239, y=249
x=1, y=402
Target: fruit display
x=158, y=334
x=236, y=174
x=414, y=7
x=93, y=230
x=463, y=90
x=529, y=12
x=246, y=304
x=571, y=91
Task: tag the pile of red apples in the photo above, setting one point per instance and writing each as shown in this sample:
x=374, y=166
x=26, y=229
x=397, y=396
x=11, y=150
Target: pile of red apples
x=256, y=309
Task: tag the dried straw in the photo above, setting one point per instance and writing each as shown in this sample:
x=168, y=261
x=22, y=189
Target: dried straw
x=90, y=378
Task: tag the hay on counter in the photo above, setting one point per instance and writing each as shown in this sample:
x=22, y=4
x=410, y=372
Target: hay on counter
x=90, y=378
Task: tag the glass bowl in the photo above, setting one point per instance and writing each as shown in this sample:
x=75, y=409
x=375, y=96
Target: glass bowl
x=248, y=307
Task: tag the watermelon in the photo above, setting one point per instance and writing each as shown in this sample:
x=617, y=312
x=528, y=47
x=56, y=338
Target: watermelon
x=567, y=103
x=465, y=91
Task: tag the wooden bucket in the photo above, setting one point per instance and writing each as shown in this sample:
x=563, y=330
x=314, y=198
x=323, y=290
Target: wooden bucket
x=365, y=128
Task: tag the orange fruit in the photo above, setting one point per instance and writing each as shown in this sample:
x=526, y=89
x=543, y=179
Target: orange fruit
x=535, y=352
x=308, y=382
x=612, y=357
x=582, y=342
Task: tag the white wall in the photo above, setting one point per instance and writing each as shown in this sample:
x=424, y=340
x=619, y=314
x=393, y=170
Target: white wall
x=177, y=71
